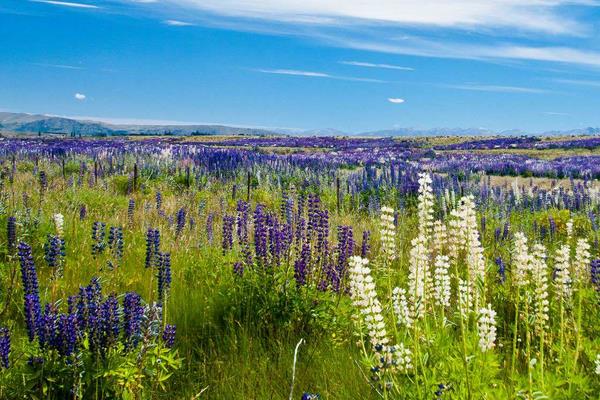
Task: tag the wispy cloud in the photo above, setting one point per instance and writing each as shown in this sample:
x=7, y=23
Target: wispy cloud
x=396, y=100
x=579, y=82
x=65, y=3
x=372, y=65
x=79, y=96
x=529, y=15
x=61, y=66
x=174, y=22
x=311, y=74
x=496, y=88
x=556, y=114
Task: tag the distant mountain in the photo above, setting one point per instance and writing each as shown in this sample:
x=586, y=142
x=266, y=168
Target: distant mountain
x=45, y=124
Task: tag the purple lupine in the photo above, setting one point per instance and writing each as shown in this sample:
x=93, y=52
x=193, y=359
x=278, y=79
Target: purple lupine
x=82, y=212
x=152, y=247
x=98, y=236
x=163, y=275
x=46, y=329
x=168, y=335
x=11, y=233
x=228, y=222
x=115, y=241
x=260, y=234
x=595, y=273
x=180, y=221
x=501, y=269
x=54, y=252
x=365, y=246
x=238, y=268
x=552, y=225
x=242, y=220
x=130, y=210
x=109, y=323
x=67, y=334
x=30, y=289
x=158, y=198
x=301, y=265
x=4, y=347
x=133, y=312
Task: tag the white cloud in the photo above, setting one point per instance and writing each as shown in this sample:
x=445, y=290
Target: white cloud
x=372, y=65
x=531, y=15
x=396, y=100
x=174, y=22
x=79, y=96
x=65, y=3
x=312, y=74
x=496, y=88
x=60, y=66
x=579, y=82
x=556, y=114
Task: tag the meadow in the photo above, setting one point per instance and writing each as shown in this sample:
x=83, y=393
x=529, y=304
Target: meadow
x=300, y=268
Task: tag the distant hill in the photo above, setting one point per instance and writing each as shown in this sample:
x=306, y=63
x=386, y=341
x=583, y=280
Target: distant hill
x=45, y=124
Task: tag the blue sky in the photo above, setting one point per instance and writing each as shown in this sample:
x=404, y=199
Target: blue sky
x=346, y=64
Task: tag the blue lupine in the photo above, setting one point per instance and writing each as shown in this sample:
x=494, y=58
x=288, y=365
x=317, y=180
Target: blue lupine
x=158, y=198
x=301, y=265
x=30, y=289
x=238, y=268
x=228, y=222
x=152, y=247
x=180, y=221
x=82, y=212
x=4, y=347
x=11, y=233
x=595, y=273
x=133, y=312
x=209, y=227
x=501, y=269
x=130, y=210
x=365, y=246
x=168, y=335
x=163, y=275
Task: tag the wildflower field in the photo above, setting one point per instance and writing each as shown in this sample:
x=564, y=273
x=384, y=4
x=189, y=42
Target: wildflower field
x=300, y=268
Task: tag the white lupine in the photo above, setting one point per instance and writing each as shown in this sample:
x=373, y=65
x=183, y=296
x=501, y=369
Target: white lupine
x=582, y=260
x=562, y=266
x=418, y=276
x=425, y=206
x=388, y=233
x=364, y=298
x=569, y=230
x=456, y=234
x=400, y=357
x=440, y=237
x=441, y=281
x=516, y=190
x=465, y=304
x=401, y=309
x=474, y=251
x=486, y=328
x=520, y=270
x=59, y=223
x=598, y=364
x=539, y=278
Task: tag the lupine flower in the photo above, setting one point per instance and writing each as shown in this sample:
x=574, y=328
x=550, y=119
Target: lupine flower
x=441, y=284
x=158, y=198
x=501, y=269
x=43, y=181
x=133, y=312
x=597, y=364
x=562, y=274
x=582, y=260
x=301, y=265
x=539, y=278
x=595, y=273
x=418, y=276
x=569, y=230
x=238, y=268
x=59, y=224
x=425, y=206
x=152, y=247
x=440, y=237
x=228, y=222
x=465, y=298
x=180, y=221
x=486, y=328
x=163, y=275
x=365, y=246
x=11, y=233
x=98, y=235
x=388, y=233
x=168, y=335
x=130, y=210
x=30, y=289
x=520, y=270
x=54, y=250
x=401, y=309
x=209, y=227
x=4, y=347
x=82, y=212
x=310, y=396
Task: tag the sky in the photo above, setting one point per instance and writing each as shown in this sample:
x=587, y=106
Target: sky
x=351, y=65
